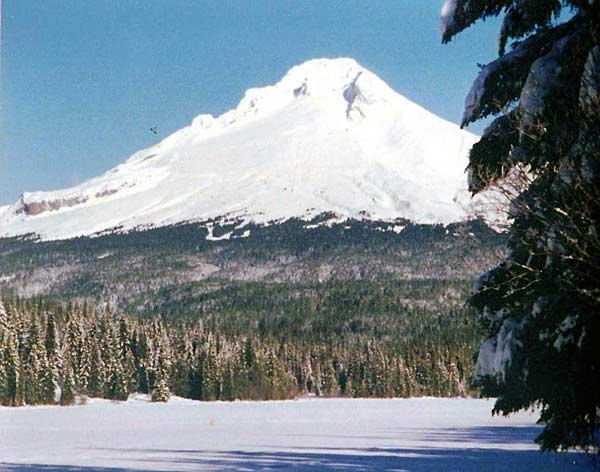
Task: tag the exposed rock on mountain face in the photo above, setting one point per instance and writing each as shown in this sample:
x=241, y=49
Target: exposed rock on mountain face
x=329, y=137
x=32, y=208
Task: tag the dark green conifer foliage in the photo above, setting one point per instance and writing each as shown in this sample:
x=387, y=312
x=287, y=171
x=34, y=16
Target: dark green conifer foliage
x=74, y=351
x=51, y=363
x=213, y=361
x=12, y=373
x=160, y=390
x=49, y=384
x=33, y=366
x=542, y=303
x=97, y=379
x=126, y=358
x=67, y=394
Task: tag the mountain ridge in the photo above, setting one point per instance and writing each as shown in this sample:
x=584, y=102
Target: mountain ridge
x=330, y=136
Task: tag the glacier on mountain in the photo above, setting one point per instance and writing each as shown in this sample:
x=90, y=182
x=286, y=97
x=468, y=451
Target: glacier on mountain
x=330, y=136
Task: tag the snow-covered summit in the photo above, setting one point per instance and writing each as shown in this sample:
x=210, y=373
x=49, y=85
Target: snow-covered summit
x=329, y=136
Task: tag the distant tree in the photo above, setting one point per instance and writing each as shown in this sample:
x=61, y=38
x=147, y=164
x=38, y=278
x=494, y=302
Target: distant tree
x=160, y=389
x=4, y=322
x=51, y=364
x=75, y=353
x=33, y=365
x=11, y=373
x=67, y=393
x=117, y=382
x=84, y=352
x=97, y=376
x=541, y=305
x=125, y=356
x=162, y=365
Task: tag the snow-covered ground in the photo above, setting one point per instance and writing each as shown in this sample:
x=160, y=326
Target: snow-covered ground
x=306, y=435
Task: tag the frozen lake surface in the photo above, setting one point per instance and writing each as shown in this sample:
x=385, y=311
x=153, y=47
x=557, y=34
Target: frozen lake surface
x=423, y=434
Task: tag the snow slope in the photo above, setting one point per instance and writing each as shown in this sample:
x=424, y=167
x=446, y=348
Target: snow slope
x=330, y=136
x=423, y=434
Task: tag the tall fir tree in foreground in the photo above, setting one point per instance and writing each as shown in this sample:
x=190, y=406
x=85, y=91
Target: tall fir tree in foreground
x=541, y=305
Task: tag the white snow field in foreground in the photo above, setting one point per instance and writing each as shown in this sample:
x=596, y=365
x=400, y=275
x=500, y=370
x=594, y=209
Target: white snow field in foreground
x=306, y=435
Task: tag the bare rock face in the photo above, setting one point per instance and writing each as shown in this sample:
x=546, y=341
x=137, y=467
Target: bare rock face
x=106, y=193
x=37, y=207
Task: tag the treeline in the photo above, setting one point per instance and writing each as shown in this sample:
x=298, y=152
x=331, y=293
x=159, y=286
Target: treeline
x=52, y=354
x=140, y=270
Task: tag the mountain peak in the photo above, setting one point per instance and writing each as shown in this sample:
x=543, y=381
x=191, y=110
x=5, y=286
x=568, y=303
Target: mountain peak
x=341, y=80
x=322, y=76
x=330, y=136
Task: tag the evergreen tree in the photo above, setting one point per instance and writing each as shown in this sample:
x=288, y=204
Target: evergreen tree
x=51, y=342
x=67, y=393
x=51, y=363
x=182, y=366
x=75, y=352
x=126, y=357
x=141, y=354
x=50, y=392
x=82, y=376
x=160, y=389
x=4, y=324
x=541, y=305
x=33, y=366
x=12, y=373
x=90, y=353
x=97, y=377
x=117, y=385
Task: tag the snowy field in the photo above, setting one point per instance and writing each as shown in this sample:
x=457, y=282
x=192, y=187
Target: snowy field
x=305, y=435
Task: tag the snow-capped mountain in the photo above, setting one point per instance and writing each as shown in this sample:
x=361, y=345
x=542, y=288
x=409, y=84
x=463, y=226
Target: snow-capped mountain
x=329, y=137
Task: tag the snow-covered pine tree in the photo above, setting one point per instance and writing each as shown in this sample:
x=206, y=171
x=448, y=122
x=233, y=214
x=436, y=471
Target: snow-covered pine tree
x=51, y=364
x=329, y=378
x=48, y=379
x=82, y=377
x=67, y=392
x=541, y=305
x=117, y=384
x=97, y=374
x=141, y=352
x=182, y=365
x=12, y=392
x=74, y=351
x=3, y=317
x=161, y=391
x=3, y=373
x=33, y=362
x=125, y=349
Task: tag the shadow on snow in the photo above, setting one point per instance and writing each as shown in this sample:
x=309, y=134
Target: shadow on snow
x=472, y=450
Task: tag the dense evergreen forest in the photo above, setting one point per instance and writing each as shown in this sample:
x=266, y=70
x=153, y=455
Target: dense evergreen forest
x=172, y=269
x=357, y=308
x=344, y=340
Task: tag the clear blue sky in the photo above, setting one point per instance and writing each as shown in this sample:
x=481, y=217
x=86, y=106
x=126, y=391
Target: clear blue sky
x=85, y=80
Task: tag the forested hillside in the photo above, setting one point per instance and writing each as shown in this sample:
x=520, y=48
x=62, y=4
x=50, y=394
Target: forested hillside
x=177, y=269
x=357, y=308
